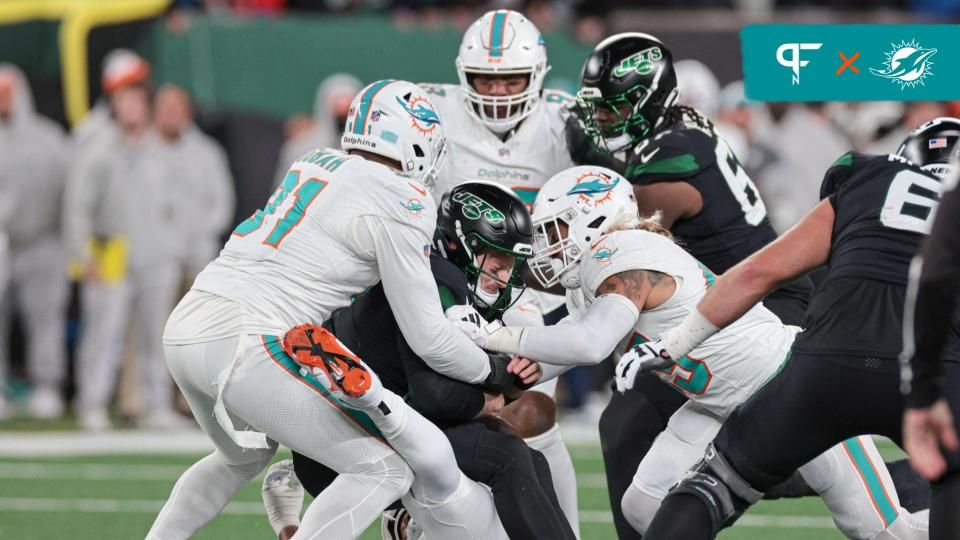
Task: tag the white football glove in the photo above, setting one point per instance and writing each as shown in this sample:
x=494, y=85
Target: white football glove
x=638, y=360
x=471, y=323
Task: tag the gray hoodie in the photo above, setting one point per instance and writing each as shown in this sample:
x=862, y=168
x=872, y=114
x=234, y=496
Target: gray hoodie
x=200, y=164
x=122, y=188
x=34, y=153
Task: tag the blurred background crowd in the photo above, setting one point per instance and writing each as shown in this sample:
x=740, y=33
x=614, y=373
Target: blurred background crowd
x=191, y=112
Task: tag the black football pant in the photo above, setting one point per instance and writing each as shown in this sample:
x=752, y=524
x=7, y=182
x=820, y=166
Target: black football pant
x=518, y=476
x=814, y=403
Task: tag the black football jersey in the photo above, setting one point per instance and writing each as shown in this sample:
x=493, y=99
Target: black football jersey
x=367, y=326
x=884, y=207
x=733, y=222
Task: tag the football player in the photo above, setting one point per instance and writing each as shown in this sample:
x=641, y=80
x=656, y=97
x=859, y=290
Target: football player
x=503, y=126
x=637, y=283
x=338, y=224
x=875, y=212
x=930, y=386
x=484, y=235
x=680, y=167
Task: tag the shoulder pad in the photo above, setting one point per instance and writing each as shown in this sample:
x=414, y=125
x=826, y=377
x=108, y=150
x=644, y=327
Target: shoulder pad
x=854, y=164
x=674, y=154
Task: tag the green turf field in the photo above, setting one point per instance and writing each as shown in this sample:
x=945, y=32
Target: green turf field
x=117, y=497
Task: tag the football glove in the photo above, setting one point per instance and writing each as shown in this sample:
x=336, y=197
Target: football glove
x=638, y=360
x=469, y=320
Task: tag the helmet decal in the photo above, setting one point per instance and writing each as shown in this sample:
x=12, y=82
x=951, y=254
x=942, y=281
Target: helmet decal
x=425, y=119
x=474, y=207
x=641, y=62
x=496, y=34
x=594, y=188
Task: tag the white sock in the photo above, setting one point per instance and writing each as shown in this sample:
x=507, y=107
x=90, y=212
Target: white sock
x=550, y=444
x=424, y=447
x=199, y=495
x=282, y=496
x=354, y=500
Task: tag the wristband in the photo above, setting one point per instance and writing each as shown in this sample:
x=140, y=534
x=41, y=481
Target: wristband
x=683, y=338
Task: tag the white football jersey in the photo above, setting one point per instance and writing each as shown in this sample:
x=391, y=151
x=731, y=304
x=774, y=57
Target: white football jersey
x=308, y=251
x=533, y=153
x=337, y=225
x=728, y=367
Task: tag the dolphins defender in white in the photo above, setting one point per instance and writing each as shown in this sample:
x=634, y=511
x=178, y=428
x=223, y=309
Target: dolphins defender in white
x=338, y=223
x=637, y=283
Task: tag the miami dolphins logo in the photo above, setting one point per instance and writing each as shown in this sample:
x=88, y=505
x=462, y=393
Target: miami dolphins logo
x=413, y=206
x=604, y=254
x=594, y=188
x=424, y=118
x=907, y=64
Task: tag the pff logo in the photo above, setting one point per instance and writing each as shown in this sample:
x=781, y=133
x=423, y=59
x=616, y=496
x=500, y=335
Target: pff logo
x=794, y=62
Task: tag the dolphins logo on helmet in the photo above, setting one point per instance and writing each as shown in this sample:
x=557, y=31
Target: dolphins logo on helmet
x=424, y=119
x=594, y=187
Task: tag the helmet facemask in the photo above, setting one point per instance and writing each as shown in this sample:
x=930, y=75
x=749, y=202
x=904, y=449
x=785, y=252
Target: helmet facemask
x=556, y=252
x=502, y=113
x=623, y=132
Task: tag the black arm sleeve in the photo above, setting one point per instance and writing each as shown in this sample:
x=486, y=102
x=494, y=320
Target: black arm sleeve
x=437, y=397
x=935, y=301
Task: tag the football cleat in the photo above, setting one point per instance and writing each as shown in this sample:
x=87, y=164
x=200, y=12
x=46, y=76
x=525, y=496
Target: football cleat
x=316, y=348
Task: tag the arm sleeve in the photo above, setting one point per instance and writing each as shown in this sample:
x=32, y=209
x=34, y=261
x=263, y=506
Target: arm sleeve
x=412, y=293
x=588, y=340
x=931, y=300
x=436, y=397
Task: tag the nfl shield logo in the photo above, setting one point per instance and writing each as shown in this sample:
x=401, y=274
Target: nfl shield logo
x=504, y=152
x=426, y=250
x=375, y=116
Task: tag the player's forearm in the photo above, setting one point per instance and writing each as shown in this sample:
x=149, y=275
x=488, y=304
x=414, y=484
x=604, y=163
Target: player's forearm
x=587, y=341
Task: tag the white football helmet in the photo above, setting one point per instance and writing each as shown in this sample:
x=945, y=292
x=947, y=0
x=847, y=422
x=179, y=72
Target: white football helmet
x=502, y=42
x=397, y=120
x=572, y=211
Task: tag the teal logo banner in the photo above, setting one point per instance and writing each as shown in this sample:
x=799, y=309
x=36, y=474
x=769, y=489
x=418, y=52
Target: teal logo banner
x=851, y=62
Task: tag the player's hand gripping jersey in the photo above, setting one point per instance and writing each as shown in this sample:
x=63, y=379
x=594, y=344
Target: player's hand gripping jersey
x=725, y=369
x=883, y=204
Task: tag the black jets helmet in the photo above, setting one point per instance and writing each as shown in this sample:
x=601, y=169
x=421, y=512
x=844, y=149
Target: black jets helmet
x=631, y=74
x=934, y=145
x=479, y=218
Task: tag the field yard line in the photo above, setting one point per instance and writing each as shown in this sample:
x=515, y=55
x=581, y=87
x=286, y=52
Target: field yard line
x=245, y=508
x=133, y=473
x=90, y=471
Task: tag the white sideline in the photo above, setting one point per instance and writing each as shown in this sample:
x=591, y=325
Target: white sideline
x=80, y=443
x=143, y=506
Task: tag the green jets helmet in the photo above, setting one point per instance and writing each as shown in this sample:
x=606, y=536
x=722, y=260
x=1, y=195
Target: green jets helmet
x=629, y=76
x=475, y=219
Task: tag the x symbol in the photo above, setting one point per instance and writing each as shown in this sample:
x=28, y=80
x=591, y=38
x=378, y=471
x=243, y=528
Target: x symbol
x=848, y=63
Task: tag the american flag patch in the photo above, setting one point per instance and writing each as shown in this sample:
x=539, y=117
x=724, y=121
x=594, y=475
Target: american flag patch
x=939, y=142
